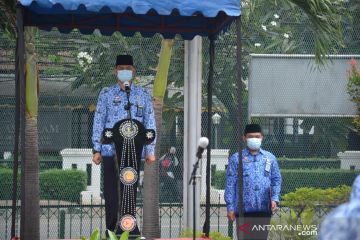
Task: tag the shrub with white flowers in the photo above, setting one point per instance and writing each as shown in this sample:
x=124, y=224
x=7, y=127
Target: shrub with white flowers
x=84, y=60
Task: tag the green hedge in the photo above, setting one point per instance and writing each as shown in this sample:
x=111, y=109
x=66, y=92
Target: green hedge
x=308, y=163
x=62, y=184
x=54, y=184
x=219, y=179
x=293, y=179
x=43, y=164
x=6, y=175
x=319, y=178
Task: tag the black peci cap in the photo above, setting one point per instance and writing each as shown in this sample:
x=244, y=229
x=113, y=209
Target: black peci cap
x=252, y=128
x=124, y=60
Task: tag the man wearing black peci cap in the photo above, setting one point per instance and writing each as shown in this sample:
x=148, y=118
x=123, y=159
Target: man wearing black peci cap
x=261, y=188
x=112, y=106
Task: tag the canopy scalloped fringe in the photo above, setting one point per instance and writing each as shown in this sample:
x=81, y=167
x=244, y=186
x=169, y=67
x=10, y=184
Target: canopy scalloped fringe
x=187, y=18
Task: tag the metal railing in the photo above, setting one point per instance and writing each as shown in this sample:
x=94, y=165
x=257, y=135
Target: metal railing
x=63, y=220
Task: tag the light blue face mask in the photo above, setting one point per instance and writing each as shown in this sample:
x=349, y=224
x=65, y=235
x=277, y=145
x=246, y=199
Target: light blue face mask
x=124, y=75
x=254, y=143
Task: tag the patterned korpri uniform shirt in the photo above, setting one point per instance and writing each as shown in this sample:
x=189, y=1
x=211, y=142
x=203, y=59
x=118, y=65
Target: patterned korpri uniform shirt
x=343, y=223
x=111, y=108
x=257, y=182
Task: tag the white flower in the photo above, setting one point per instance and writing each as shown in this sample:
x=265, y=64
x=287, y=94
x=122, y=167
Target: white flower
x=246, y=83
x=84, y=59
x=81, y=62
x=88, y=58
x=286, y=35
x=273, y=23
x=257, y=44
x=244, y=3
x=264, y=27
x=276, y=16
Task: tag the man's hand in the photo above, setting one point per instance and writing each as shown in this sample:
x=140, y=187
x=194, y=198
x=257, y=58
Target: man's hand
x=150, y=159
x=97, y=158
x=231, y=216
x=274, y=207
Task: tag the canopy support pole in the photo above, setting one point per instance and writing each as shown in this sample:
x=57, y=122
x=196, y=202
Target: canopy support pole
x=19, y=108
x=22, y=122
x=240, y=110
x=19, y=28
x=206, y=227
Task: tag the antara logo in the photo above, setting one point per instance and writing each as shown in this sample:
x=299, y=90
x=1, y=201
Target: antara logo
x=244, y=228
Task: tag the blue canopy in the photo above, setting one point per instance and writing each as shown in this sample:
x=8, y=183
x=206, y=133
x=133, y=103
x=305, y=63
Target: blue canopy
x=168, y=17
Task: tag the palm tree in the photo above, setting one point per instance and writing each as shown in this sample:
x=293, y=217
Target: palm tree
x=7, y=17
x=325, y=18
x=30, y=209
x=151, y=227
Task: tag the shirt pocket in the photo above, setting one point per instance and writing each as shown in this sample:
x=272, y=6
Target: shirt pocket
x=112, y=106
x=115, y=108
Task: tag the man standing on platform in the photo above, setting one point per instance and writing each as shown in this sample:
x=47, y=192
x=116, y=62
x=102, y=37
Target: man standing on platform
x=262, y=184
x=112, y=106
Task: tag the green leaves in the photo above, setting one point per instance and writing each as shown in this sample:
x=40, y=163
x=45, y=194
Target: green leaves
x=325, y=18
x=94, y=236
x=161, y=78
x=124, y=236
x=353, y=89
x=213, y=235
x=31, y=73
x=7, y=17
x=303, y=206
x=279, y=27
x=97, y=236
x=310, y=197
x=112, y=235
x=294, y=179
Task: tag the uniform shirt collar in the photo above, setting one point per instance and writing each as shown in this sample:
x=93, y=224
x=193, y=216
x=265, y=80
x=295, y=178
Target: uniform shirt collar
x=132, y=87
x=247, y=152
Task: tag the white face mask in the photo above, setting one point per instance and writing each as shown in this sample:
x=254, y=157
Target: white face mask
x=124, y=75
x=254, y=143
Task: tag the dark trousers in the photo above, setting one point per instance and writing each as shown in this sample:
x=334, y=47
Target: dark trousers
x=253, y=226
x=110, y=192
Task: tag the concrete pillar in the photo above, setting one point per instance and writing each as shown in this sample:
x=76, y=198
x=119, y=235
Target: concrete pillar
x=220, y=158
x=349, y=160
x=81, y=159
x=192, y=127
